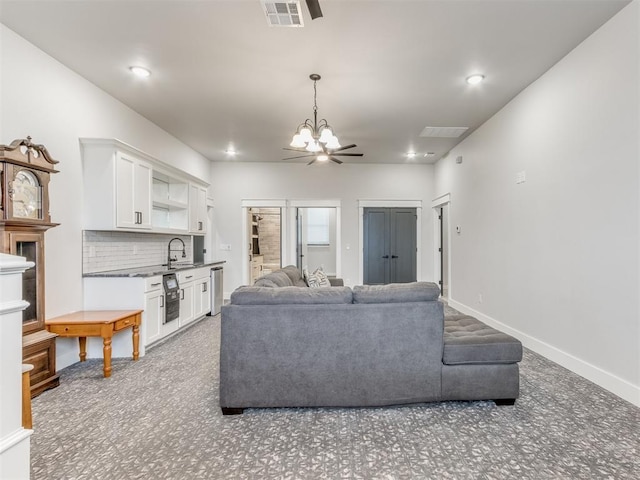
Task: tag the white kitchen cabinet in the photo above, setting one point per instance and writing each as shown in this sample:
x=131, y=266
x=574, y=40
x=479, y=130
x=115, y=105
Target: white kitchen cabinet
x=117, y=182
x=197, y=209
x=186, y=284
x=126, y=189
x=153, y=315
x=133, y=192
x=202, y=292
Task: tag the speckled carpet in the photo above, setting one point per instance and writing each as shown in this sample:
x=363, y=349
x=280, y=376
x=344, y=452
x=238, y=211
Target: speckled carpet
x=158, y=418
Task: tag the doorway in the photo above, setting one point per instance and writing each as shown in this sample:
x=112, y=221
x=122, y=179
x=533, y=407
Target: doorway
x=390, y=245
x=265, y=240
x=442, y=242
x=444, y=250
x=316, y=244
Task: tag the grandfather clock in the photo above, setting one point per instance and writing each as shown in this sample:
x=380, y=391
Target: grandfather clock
x=25, y=169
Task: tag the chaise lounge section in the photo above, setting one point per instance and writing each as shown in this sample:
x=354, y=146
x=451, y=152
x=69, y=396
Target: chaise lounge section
x=294, y=346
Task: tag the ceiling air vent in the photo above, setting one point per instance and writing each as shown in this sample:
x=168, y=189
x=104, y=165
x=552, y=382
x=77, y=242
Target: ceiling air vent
x=283, y=14
x=443, y=132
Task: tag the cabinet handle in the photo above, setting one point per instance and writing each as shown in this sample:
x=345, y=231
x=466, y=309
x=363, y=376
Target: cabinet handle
x=385, y=256
x=155, y=284
x=189, y=276
x=199, y=225
x=182, y=294
x=394, y=256
x=204, y=287
x=161, y=301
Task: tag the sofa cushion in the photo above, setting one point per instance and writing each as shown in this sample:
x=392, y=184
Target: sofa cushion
x=469, y=341
x=290, y=295
x=294, y=275
x=265, y=282
x=280, y=278
x=396, y=293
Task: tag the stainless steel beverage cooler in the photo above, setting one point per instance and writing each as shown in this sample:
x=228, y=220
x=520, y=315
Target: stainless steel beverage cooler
x=216, y=289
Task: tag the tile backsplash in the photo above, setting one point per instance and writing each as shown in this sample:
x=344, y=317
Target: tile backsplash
x=104, y=251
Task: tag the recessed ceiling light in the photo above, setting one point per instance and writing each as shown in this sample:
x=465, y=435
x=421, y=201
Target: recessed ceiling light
x=475, y=79
x=430, y=154
x=140, y=71
x=411, y=154
x=230, y=151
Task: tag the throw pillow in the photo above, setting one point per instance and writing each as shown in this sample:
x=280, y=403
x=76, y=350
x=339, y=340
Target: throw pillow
x=318, y=279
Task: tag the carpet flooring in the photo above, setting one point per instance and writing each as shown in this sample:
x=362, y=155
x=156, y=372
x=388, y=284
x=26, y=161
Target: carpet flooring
x=158, y=418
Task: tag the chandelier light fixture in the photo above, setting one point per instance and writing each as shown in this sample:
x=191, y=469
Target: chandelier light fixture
x=311, y=136
x=316, y=138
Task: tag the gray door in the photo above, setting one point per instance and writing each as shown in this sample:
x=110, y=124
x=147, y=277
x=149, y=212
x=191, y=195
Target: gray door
x=389, y=245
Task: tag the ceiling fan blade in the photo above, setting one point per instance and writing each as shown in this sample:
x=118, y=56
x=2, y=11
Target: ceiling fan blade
x=314, y=9
x=299, y=156
x=312, y=161
x=334, y=159
x=346, y=147
x=295, y=149
x=348, y=154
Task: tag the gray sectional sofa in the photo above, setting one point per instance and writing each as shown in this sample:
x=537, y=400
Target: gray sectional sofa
x=292, y=346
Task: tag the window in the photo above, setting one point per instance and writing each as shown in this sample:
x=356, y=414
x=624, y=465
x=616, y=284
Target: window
x=318, y=226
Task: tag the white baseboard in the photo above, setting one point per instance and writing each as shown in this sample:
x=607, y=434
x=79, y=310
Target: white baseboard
x=606, y=380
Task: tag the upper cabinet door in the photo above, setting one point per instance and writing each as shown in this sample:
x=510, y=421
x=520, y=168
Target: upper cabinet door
x=143, y=178
x=133, y=192
x=197, y=209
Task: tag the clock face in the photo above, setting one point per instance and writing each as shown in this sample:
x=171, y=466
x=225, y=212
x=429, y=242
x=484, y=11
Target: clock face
x=27, y=195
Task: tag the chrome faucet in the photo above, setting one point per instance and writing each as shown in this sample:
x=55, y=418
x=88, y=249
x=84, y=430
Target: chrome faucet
x=175, y=259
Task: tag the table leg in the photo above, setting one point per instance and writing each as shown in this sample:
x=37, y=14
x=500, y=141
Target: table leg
x=136, y=341
x=106, y=351
x=27, y=420
x=83, y=348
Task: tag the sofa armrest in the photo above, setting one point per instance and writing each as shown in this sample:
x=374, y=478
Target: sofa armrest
x=336, y=282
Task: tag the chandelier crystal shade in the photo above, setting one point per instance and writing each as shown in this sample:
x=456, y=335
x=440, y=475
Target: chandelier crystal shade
x=313, y=135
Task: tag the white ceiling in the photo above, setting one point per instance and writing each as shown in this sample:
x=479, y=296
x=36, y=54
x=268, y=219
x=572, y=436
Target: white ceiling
x=222, y=76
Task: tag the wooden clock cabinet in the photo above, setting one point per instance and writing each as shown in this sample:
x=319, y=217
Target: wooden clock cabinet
x=25, y=170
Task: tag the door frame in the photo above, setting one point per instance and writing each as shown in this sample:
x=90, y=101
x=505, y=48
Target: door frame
x=246, y=205
x=436, y=204
x=362, y=204
x=293, y=206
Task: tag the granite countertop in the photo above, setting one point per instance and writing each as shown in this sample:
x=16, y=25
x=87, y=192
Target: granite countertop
x=152, y=270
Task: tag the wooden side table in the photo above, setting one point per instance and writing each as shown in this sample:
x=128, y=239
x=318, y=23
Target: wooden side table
x=98, y=323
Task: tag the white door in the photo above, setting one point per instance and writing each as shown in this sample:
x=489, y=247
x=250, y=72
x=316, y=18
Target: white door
x=186, y=303
x=142, y=193
x=153, y=315
x=125, y=174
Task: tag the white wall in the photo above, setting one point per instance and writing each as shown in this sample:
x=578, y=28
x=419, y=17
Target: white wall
x=234, y=182
x=556, y=259
x=42, y=98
